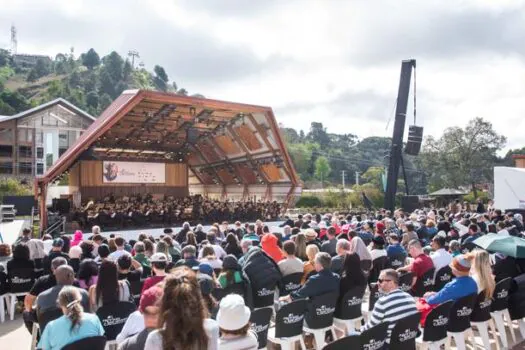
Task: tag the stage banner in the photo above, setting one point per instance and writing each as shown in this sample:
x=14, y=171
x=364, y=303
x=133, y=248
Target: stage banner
x=133, y=172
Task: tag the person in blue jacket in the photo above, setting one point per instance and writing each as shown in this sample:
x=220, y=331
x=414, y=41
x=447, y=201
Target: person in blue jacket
x=459, y=287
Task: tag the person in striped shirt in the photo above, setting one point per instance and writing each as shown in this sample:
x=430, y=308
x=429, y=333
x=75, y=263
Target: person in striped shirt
x=393, y=306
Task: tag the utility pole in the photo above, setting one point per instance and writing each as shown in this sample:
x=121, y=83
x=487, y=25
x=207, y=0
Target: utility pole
x=343, y=178
x=133, y=54
x=357, y=178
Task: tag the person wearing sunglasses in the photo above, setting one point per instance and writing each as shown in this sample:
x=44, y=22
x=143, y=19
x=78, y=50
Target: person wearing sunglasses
x=393, y=306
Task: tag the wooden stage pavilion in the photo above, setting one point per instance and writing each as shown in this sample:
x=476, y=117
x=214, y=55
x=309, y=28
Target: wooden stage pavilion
x=200, y=146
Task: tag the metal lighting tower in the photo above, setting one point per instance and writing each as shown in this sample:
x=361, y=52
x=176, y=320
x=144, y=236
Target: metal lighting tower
x=399, y=129
x=14, y=40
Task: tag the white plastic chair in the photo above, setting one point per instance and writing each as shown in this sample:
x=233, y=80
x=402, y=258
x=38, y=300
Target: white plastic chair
x=12, y=297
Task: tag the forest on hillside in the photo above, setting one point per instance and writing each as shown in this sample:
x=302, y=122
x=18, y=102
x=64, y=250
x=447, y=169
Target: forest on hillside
x=88, y=81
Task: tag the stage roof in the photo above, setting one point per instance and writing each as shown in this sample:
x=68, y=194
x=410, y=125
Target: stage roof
x=223, y=143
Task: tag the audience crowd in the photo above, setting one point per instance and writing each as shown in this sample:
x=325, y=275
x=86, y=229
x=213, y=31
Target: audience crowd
x=197, y=289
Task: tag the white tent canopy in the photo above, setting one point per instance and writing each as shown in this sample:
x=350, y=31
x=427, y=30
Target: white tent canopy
x=509, y=188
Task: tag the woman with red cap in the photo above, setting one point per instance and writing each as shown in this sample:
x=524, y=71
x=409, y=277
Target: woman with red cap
x=270, y=247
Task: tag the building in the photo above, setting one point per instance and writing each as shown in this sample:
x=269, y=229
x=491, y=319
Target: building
x=30, y=60
x=32, y=141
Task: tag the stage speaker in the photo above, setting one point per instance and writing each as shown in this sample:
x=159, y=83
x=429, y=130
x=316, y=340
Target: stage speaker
x=415, y=138
x=61, y=205
x=191, y=135
x=409, y=203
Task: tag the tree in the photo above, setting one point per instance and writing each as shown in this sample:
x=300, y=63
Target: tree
x=5, y=57
x=114, y=65
x=462, y=157
x=183, y=92
x=318, y=134
x=104, y=101
x=32, y=76
x=301, y=157
x=92, y=99
x=322, y=168
x=161, y=78
x=373, y=176
x=91, y=59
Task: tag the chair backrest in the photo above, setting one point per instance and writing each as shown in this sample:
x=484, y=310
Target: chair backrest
x=375, y=337
x=404, y=333
x=397, y=260
x=481, y=311
x=424, y=284
x=113, y=316
x=234, y=288
x=21, y=280
x=349, y=308
x=290, y=283
x=348, y=342
x=260, y=322
x=321, y=310
x=405, y=281
x=75, y=264
x=91, y=343
x=460, y=314
x=136, y=290
x=289, y=319
x=375, y=294
x=47, y=316
x=443, y=276
x=501, y=295
x=263, y=295
x=436, y=322
x=378, y=265
x=366, y=265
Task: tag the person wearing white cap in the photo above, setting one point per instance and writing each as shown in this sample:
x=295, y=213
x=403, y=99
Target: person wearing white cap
x=234, y=324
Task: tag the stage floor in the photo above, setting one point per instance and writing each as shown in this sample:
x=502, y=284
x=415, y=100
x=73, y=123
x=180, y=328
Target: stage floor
x=156, y=232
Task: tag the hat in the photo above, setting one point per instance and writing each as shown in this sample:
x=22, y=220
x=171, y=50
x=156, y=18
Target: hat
x=204, y=268
x=230, y=263
x=310, y=233
x=233, y=313
x=378, y=240
x=58, y=243
x=206, y=284
x=459, y=263
x=150, y=297
x=159, y=257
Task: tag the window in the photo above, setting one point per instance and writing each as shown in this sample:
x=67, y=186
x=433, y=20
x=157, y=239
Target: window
x=49, y=159
x=39, y=137
x=61, y=151
x=6, y=135
x=25, y=135
x=40, y=168
x=48, y=120
x=25, y=169
x=6, y=168
x=6, y=151
x=24, y=151
x=40, y=152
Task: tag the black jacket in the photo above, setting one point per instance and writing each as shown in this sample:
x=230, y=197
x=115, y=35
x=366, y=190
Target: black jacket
x=288, y=222
x=261, y=269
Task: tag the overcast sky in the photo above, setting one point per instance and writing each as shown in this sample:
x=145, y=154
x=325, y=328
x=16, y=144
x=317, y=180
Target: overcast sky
x=335, y=62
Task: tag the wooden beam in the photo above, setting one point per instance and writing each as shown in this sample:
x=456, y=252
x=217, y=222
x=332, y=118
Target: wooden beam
x=195, y=146
x=248, y=155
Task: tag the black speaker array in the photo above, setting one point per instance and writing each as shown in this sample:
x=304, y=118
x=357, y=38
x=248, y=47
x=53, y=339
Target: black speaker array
x=415, y=138
x=409, y=203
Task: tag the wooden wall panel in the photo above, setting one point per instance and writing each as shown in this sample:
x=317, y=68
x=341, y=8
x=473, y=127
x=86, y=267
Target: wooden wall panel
x=227, y=145
x=272, y=172
x=74, y=175
x=248, y=137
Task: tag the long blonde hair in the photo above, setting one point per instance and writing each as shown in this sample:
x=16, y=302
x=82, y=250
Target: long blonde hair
x=300, y=246
x=481, y=267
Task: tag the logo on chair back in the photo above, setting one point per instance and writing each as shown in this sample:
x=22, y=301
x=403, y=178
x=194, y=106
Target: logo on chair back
x=18, y=280
x=405, y=287
x=502, y=294
x=485, y=304
x=374, y=344
x=355, y=301
x=396, y=263
x=444, y=278
x=264, y=292
x=440, y=321
x=428, y=282
x=113, y=321
x=407, y=335
x=292, y=286
x=324, y=310
x=258, y=328
x=291, y=318
x=465, y=311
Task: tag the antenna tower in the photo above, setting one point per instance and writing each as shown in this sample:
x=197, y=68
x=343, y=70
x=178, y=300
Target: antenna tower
x=14, y=41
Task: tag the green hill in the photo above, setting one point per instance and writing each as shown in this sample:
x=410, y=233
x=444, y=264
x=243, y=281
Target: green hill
x=88, y=81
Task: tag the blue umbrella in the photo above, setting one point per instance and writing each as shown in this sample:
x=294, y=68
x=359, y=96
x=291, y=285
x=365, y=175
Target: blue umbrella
x=506, y=245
